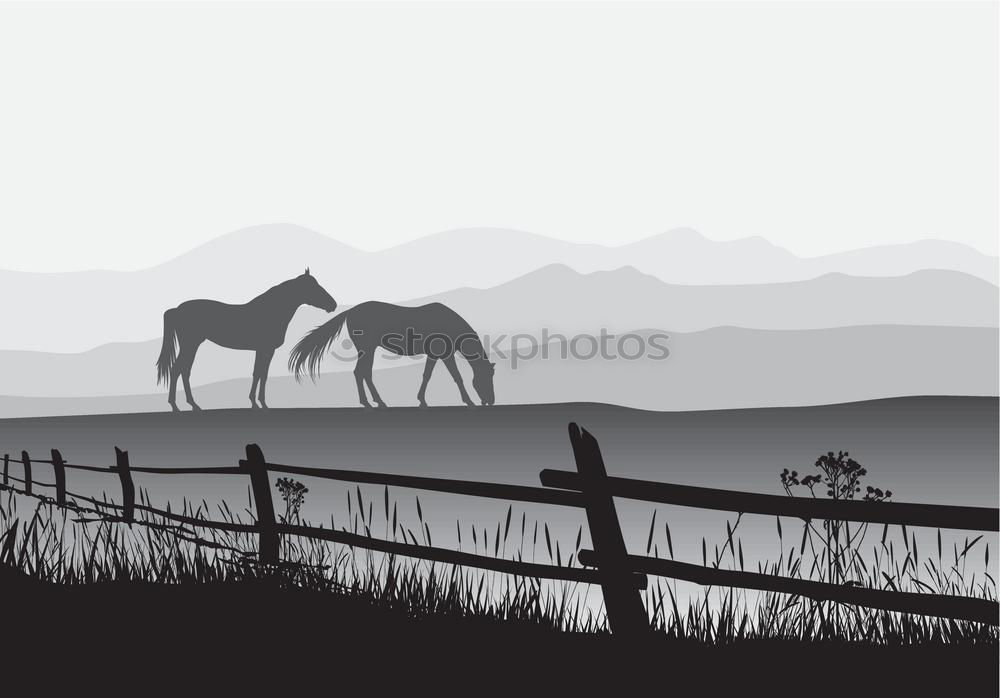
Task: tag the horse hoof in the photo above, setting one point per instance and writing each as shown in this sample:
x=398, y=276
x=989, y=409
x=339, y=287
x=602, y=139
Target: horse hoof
x=174, y=408
x=195, y=408
x=263, y=406
x=381, y=406
x=253, y=405
x=422, y=405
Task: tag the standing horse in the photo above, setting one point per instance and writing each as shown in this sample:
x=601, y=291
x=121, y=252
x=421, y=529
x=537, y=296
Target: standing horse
x=259, y=325
x=433, y=329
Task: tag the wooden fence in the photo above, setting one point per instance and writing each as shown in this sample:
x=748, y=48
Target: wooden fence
x=620, y=574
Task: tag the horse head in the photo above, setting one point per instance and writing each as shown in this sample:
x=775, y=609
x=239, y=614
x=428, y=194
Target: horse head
x=313, y=294
x=482, y=380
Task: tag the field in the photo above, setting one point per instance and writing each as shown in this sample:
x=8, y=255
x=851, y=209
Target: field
x=930, y=450
x=934, y=450
x=175, y=637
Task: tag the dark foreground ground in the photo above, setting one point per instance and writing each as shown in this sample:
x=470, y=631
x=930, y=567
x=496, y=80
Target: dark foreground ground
x=254, y=639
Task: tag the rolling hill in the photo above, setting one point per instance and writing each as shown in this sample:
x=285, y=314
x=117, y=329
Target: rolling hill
x=76, y=311
x=558, y=300
x=713, y=369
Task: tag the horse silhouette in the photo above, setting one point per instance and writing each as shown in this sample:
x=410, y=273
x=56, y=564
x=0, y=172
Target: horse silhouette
x=434, y=330
x=259, y=325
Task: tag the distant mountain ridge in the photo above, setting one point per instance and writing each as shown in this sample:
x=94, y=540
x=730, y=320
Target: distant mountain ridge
x=559, y=300
x=75, y=311
x=564, y=300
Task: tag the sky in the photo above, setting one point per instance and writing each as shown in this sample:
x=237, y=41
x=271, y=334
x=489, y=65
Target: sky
x=130, y=133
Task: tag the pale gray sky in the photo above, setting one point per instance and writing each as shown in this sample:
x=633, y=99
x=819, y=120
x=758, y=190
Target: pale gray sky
x=130, y=133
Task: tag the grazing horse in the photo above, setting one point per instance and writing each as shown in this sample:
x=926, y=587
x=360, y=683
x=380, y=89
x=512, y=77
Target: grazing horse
x=433, y=329
x=259, y=325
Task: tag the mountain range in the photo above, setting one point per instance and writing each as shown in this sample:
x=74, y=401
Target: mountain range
x=563, y=300
x=748, y=323
x=556, y=300
x=77, y=311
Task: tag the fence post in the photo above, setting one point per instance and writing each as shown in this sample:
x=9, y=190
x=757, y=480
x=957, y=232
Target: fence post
x=128, y=487
x=6, y=462
x=59, y=467
x=626, y=612
x=260, y=483
x=26, y=460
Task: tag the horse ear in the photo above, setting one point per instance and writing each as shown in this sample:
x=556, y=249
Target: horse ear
x=307, y=271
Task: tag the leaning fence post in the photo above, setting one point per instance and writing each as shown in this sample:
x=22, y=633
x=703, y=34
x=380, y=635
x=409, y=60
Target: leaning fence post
x=59, y=467
x=6, y=462
x=626, y=612
x=26, y=460
x=128, y=487
x=260, y=483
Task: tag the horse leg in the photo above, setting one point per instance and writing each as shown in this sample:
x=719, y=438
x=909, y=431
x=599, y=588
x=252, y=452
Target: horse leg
x=185, y=360
x=186, y=377
x=364, y=370
x=359, y=378
x=253, y=387
x=260, y=368
x=172, y=396
x=371, y=386
x=453, y=370
x=428, y=368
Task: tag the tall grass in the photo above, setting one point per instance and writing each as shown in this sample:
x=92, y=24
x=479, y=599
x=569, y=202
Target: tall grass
x=721, y=615
x=80, y=546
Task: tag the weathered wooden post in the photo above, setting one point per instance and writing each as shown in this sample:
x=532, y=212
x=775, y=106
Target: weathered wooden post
x=6, y=463
x=59, y=467
x=260, y=483
x=128, y=487
x=626, y=612
x=26, y=460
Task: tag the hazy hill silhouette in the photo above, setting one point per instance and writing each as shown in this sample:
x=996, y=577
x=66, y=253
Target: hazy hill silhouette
x=620, y=301
x=718, y=368
x=80, y=310
x=562, y=299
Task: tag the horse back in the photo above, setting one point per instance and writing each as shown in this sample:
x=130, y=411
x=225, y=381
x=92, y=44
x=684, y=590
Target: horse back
x=226, y=324
x=403, y=329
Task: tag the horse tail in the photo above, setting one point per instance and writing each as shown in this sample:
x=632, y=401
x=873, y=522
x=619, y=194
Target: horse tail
x=168, y=352
x=308, y=352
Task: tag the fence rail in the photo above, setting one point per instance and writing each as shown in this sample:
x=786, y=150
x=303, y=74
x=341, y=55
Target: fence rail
x=620, y=574
x=906, y=514
x=520, y=493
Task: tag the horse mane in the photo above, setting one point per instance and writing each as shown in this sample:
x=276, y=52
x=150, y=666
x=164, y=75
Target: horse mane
x=274, y=289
